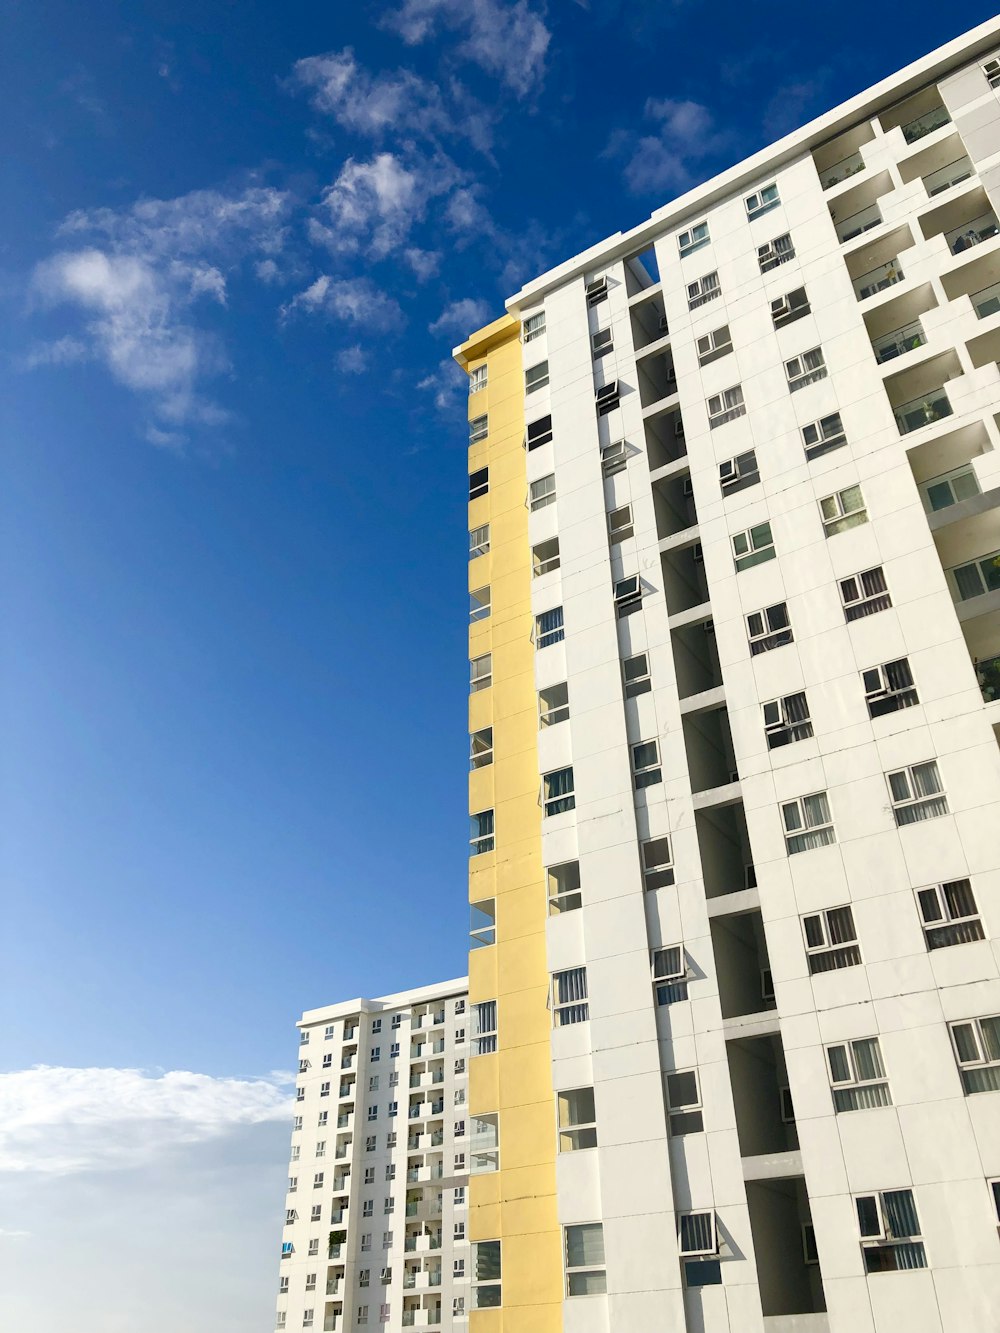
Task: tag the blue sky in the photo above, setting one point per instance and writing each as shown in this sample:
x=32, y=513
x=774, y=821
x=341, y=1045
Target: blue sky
x=238, y=244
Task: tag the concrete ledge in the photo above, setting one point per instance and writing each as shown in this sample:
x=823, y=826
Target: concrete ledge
x=773, y=1166
x=796, y=1323
x=734, y=904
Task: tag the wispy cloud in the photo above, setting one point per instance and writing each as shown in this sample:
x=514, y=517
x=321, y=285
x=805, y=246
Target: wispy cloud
x=461, y=317
x=674, y=156
x=447, y=383
x=375, y=204
x=352, y=360
x=351, y=300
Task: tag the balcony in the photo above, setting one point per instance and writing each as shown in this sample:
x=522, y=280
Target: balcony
x=968, y=216
x=709, y=747
x=696, y=659
x=923, y=411
x=725, y=851
x=898, y=342
x=953, y=173
x=840, y=171
x=649, y=322
x=765, y=1119
x=788, y=1272
x=988, y=675
x=926, y=124
x=665, y=443
x=864, y=220
x=684, y=583
x=742, y=964
x=673, y=505
x=657, y=379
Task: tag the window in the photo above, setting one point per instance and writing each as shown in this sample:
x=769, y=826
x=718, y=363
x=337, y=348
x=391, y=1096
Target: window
x=805, y=369
x=376, y=1053
x=628, y=596
x=481, y=748
x=363, y=1312
x=889, y=1230
x=482, y=923
x=776, y=252
x=864, y=594
x=995, y=1196
x=370, y=1143
x=736, y=473
x=280, y=1319
x=726, y=406
x=477, y=379
x=857, y=1075
x=949, y=914
x=296, y=1151
x=303, y=1066
x=657, y=863
x=458, y=1269
x=991, y=70
x=376, y=1025
x=459, y=1097
x=635, y=674
x=683, y=1102
x=889, y=687
x=287, y=1249
x=553, y=705
x=949, y=488
x=820, y=437
x=484, y=1027
x=389, y=1205
x=977, y=1050
x=479, y=483
x=715, y=344
x=328, y=1032
x=369, y=1175
x=484, y=1146
x=397, y=1020
x=308, y=1315
x=290, y=1216
x=607, y=397
x=390, y=1139
x=808, y=823
x=787, y=720
x=542, y=492
x=769, y=628
x=458, y=1307
x=318, y=1180
x=300, y=1094
x=390, y=1171
x=459, y=1007
x=545, y=557
x=534, y=326
x=317, y=1213
x=549, y=628
x=831, y=940
x=324, y=1089
x=558, y=796
x=597, y=291
x=585, y=1273
x=843, y=510
x=577, y=1119
x=704, y=290
x=699, y=1238
x=323, y=1117
x=385, y=1310
x=620, y=526
x=328, y=1060
x=538, y=433
x=459, y=1163
x=536, y=377
x=563, y=883
x=670, y=975
x=753, y=547
x=614, y=457
x=479, y=604
x=790, y=307
x=373, y=1112
x=977, y=577
x=569, y=997
x=602, y=341
x=693, y=239
x=314, y=1247
x=479, y=428
x=485, y=1274
x=459, y=1229
x=481, y=837
x=917, y=793
x=646, y=770
x=393, y=1107
x=479, y=541
x=480, y=673
x=282, y=1286
x=761, y=201
x=296, y=1124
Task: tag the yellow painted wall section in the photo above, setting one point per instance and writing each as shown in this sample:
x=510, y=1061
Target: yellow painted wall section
x=518, y=1202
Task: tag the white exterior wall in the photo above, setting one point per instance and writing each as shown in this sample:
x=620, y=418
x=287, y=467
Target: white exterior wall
x=423, y=1287
x=932, y=1139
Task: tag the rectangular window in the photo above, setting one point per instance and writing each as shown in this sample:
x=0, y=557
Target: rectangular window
x=769, y=628
x=614, y=457
x=775, y=252
x=324, y=1089
x=889, y=687
x=753, y=547
x=477, y=379
x=704, y=290
x=698, y=1234
x=480, y=673
x=635, y=674
x=787, y=720
x=693, y=239
x=558, y=796
x=484, y=1145
x=484, y=1027
x=479, y=428
x=712, y=346
x=479, y=541
x=479, y=483
x=824, y=435
x=585, y=1273
x=949, y=914
x=831, y=940
x=857, y=1076
x=569, y=997
x=318, y=1180
x=790, y=307
x=670, y=974
x=482, y=923
x=864, y=594
x=363, y=1309
x=542, y=492
x=486, y=1274
x=549, y=628
x=553, y=705
x=536, y=377
x=991, y=71
x=890, y=1231
x=481, y=833
x=308, y=1315
x=736, y=473
x=479, y=604
x=628, y=596
x=620, y=526
x=805, y=369
x=950, y=488
x=657, y=863
x=481, y=748
x=458, y=1269
x=577, y=1119
x=563, y=882
x=917, y=793
x=976, y=578
x=977, y=1050
x=538, y=433
x=373, y=1113
x=533, y=327
x=646, y=771
x=597, y=291
x=726, y=406
x=607, y=397
x=328, y=1060
x=389, y=1205
x=683, y=1102
x=602, y=341
x=761, y=201
x=545, y=557
x=458, y=1307
x=369, y=1176
x=842, y=510
x=376, y=1053
x=808, y=823
x=314, y=1247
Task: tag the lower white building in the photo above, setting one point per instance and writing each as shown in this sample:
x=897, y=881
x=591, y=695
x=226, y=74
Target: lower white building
x=375, y=1215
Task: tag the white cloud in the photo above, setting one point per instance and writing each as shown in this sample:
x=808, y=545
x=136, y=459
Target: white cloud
x=461, y=317
x=60, y=352
x=447, y=383
x=352, y=300
x=424, y=263
x=267, y=271
x=353, y=360
x=508, y=40
x=376, y=203
x=671, y=158
x=59, y=1121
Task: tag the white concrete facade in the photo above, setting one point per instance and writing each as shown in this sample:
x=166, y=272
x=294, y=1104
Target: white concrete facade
x=376, y=1211
x=909, y=331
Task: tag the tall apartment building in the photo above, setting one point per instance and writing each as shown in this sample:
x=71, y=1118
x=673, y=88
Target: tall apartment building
x=377, y=1206
x=734, y=512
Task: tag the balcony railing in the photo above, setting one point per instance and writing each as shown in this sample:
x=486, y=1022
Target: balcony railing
x=988, y=675
x=847, y=166
x=878, y=279
x=983, y=228
x=986, y=302
x=933, y=406
x=945, y=177
x=858, y=222
x=926, y=124
x=891, y=345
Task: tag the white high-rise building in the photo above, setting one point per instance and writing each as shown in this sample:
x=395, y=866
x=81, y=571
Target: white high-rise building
x=376, y=1210
x=735, y=493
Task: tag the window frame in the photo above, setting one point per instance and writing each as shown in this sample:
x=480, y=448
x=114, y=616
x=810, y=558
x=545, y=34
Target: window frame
x=731, y=405
x=627, y=595
x=844, y=518
x=742, y=473
x=481, y=834
x=494, y=1285
x=829, y=949
x=826, y=438
x=857, y=1092
x=984, y=1068
x=483, y=1026
x=567, y=1013
x=491, y=1151
x=804, y=373
x=484, y=680
x=762, y=204
x=784, y=729
x=478, y=379
x=533, y=326
x=550, y=714
x=594, y=1270
x=683, y=1117
x=947, y=923
x=480, y=748
x=758, y=642
x=647, y=774
x=805, y=828
x=791, y=306
x=703, y=289
x=575, y=1135
x=480, y=604
x=703, y=1251
x=546, y=638
x=754, y=554
x=662, y=871
x=914, y=802
x=541, y=372
x=596, y=291
x=562, y=897
x=481, y=936
x=669, y=973
x=559, y=802
x=539, y=499
x=540, y=437
x=545, y=557
x=607, y=343
x=693, y=238
x=607, y=397
x=614, y=457
x=479, y=428
x=639, y=683
x=773, y=253
x=895, y=696
x=479, y=541
x=715, y=350
x=855, y=608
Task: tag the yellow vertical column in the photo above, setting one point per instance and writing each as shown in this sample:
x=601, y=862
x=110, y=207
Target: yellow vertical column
x=517, y=1203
